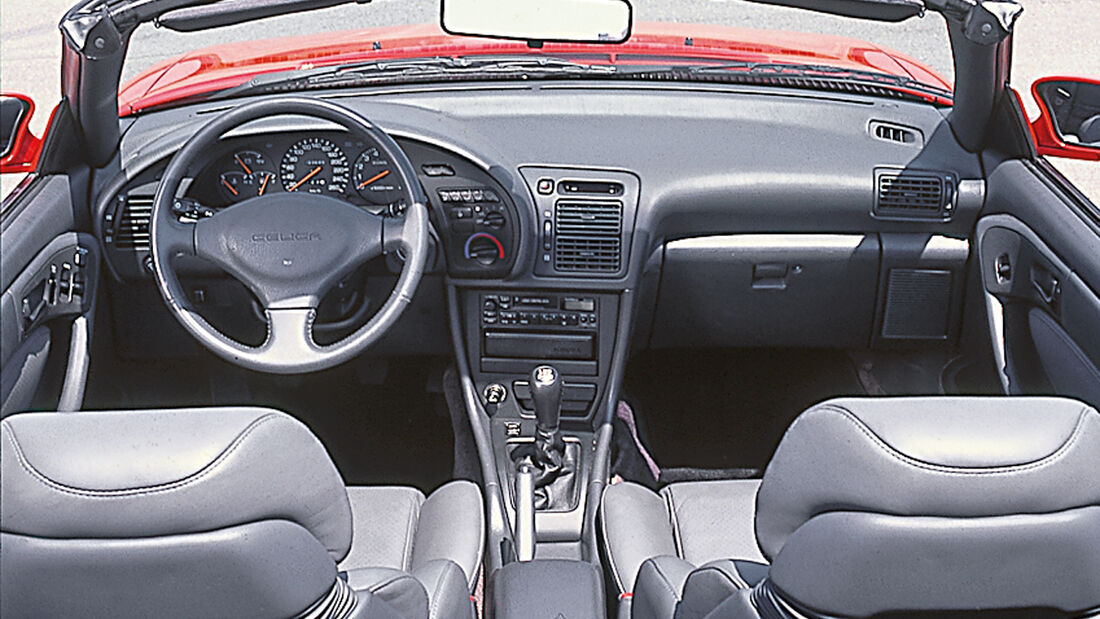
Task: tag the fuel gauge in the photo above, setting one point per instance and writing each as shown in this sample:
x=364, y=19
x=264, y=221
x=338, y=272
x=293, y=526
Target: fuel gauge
x=249, y=175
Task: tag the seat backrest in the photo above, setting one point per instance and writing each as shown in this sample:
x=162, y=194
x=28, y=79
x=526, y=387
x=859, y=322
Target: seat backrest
x=200, y=512
x=934, y=505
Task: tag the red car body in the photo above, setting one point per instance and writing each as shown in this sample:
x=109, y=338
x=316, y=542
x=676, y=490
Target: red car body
x=224, y=66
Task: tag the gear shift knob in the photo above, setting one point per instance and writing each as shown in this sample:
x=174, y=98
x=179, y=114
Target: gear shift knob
x=546, y=388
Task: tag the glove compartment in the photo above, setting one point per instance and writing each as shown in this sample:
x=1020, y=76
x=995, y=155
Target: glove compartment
x=749, y=290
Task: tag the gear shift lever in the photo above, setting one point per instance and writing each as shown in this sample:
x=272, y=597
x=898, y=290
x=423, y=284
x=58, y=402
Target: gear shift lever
x=554, y=462
x=546, y=392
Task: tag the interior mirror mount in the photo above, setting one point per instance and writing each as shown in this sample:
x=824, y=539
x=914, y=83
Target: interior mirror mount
x=18, y=146
x=1069, y=117
x=539, y=21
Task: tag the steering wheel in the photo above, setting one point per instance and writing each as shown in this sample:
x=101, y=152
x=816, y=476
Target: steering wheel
x=288, y=248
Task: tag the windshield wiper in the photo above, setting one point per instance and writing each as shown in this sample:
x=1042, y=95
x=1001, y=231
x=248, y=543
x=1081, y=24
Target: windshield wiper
x=440, y=68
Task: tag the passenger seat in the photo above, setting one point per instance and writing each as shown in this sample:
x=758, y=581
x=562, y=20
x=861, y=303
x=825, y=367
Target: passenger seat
x=878, y=506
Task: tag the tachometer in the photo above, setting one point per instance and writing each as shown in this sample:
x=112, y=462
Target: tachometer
x=314, y=165
x=375, y=178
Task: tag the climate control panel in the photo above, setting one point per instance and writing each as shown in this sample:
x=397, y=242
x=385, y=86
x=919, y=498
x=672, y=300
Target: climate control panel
x=479, y=228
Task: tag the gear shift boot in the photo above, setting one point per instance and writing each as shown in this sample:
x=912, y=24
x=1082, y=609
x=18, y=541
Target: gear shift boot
x=555, y=489
x=555, y=461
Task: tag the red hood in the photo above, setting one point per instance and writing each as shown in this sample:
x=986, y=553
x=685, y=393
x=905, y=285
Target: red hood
x=224, y=66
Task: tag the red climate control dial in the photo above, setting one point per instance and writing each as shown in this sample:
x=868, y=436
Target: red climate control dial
x=484, y=248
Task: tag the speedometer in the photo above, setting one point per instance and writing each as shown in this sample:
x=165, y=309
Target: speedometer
x=315, y=165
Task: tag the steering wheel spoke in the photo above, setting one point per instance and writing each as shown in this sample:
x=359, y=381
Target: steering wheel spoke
x=290, y=334
x=176, y=238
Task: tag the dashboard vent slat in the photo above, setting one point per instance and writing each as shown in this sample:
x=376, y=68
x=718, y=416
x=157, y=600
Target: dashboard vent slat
x=899, y=134
x=913, y=194
x=132, y=231
x=589, y=236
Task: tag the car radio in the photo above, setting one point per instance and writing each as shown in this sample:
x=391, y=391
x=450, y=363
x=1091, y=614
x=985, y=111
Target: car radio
x=547, y=312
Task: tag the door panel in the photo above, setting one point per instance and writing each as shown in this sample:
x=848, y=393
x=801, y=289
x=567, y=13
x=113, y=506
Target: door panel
x=1040, y=261
x=49, y=277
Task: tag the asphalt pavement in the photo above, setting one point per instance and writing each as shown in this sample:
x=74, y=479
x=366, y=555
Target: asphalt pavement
x=1052, y=37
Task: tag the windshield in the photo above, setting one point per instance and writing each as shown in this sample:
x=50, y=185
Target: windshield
x=922, y=39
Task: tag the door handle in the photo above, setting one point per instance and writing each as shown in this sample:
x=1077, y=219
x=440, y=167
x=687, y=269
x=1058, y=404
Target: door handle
x=1046, y=284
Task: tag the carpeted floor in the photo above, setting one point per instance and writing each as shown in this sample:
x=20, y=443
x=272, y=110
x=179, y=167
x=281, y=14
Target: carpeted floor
x=380, y=427
x=727, y=409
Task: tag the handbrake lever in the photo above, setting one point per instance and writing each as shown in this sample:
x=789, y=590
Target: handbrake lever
x=525, y=511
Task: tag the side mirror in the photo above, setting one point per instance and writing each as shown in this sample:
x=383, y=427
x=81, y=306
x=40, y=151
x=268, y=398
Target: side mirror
x=18, y=147
x=539, y=21
x=1069, y=120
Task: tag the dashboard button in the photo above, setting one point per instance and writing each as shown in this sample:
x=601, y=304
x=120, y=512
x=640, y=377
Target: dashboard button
x=546, y=186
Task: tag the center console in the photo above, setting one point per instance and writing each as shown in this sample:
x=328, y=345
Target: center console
x=539, y=346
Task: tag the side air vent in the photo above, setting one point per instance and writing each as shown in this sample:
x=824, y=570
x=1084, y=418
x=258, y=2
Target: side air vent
x=895, y=133
x=589, y=236
x=925, y=195
x=132, y=231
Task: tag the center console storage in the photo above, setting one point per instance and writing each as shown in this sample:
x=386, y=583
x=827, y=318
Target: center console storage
x=545, y=588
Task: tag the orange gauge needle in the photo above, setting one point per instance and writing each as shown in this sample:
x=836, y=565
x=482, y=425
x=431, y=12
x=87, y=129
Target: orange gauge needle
x=373, y=178
x=305, y=178
x=246, y=170
x=263, y=185
x=230, y=187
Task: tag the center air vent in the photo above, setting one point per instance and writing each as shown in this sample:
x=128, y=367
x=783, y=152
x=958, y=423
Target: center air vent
x=132, y=231
x=914, y=194
x=589, y=236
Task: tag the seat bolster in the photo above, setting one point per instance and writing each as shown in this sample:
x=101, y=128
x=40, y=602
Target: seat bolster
x=737, y=606
x=636, y=526
x=710, y=584
x=401, y=591
x=452, y=526
x=384, y=523
x=448, y=593
x=714, y=519
x=370, y=606
x=660, y=587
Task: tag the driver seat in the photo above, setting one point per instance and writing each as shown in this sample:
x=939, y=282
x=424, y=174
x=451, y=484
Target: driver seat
x=218, y=512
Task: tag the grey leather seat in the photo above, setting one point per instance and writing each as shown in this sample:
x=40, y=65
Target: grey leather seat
x=227, y=512
x=880, y=507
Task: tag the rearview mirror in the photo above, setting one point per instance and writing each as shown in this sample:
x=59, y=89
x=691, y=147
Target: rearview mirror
x=18, y=147
x=537, y=21
x=1069, y=121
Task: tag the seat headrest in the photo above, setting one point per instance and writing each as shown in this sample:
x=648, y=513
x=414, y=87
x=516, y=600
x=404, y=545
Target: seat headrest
x=123, y=474
x=930, y=456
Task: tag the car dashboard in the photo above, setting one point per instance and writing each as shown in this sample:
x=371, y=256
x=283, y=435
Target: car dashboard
x=572, y=220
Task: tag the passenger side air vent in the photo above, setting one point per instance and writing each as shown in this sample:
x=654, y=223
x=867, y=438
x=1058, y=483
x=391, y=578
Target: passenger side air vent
x=895, y=133
x=132, y=231
x=589, y=236
x=925, y=195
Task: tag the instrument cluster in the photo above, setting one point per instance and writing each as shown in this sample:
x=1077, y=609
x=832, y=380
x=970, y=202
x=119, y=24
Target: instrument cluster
x=335, y=164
